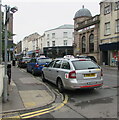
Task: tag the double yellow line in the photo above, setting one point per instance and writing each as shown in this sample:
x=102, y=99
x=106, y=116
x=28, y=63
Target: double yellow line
x=43, y=111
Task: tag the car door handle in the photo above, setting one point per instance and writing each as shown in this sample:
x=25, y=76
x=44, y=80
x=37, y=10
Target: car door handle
x=57, y=71
x=49, y=70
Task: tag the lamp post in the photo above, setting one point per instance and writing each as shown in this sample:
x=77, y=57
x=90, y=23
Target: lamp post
x=0, y=33
x=7, y=17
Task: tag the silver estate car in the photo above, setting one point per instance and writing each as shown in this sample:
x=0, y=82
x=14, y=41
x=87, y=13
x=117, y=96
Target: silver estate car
x=74, y=73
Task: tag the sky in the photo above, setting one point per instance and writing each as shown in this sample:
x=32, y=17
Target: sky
x=41, y=15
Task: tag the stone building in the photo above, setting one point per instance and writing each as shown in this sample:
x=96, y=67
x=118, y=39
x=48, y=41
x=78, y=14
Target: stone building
x=86, y=34
x=109, y=32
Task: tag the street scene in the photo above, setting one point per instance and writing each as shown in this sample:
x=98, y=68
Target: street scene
x=59, y=60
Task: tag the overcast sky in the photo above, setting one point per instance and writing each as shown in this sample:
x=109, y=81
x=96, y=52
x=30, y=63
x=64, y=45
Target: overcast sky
x=41, y=15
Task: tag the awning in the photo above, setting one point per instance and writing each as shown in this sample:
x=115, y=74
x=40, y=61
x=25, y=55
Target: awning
x=109, y=46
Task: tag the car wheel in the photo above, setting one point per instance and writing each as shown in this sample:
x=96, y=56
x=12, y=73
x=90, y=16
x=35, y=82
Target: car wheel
x=60, y=86
x=33, y=73
x=27, y=70
x=43, y=77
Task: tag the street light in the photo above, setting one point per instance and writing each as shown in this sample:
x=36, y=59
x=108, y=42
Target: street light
x=7, y=17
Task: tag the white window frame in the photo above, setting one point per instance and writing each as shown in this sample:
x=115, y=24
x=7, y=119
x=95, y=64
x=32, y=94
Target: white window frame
x=107, y=9
x=117, y=25
x=48, y=36
x=65, y=34
x=48, y=43
x=107, y=28
x=53, y=43
x=65, y=42
x=53, y=35
x=117, y=5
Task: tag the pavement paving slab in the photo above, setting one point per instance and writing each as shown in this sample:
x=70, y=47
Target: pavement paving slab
x=37, y=98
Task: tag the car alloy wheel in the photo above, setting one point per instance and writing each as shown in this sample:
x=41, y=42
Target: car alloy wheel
x=60, y=86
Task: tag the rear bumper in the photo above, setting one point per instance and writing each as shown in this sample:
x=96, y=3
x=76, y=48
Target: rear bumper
x=84, y=85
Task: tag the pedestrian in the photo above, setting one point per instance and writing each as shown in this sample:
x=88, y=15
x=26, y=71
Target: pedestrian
x=9, y=73
x=13, y=62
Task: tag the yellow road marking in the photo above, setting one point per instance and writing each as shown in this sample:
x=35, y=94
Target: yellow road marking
x=37, y=111
x=41, y=111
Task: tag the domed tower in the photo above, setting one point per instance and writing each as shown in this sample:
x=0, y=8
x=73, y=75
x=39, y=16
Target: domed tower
x=81, y=15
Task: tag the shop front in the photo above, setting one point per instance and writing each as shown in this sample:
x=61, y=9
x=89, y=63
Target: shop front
x=110, y=54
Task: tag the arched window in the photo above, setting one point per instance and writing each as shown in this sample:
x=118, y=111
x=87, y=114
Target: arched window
x=91, y=43
x=83, y=44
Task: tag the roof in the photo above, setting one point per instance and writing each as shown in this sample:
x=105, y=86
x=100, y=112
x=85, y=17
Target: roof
x=65, y=26
x=84, y=12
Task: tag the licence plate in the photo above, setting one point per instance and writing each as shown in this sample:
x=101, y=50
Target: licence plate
x=89, y=75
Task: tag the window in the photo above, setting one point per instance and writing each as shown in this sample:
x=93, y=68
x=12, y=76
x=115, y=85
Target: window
x=65, y=42
x=107, y=28
x=117, y=25
x=65, y=34
x=48, y=36
x=107, y=9
x=53, y=35
x=83, y=44
x=53, y=43
x=117, y=5
x=51, y=64
x=48, y=43
x=91, y=43
x=57, y=64
x=65, y=65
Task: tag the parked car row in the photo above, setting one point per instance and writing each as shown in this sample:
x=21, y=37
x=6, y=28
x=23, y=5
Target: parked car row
x=68, y=72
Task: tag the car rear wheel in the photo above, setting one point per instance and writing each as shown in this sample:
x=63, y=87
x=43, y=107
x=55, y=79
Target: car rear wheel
x=43, y=77
x=33, y=73
x=60, y=86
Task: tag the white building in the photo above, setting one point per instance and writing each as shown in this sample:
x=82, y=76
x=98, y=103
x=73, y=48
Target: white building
x=58, y=41
x=60, y=36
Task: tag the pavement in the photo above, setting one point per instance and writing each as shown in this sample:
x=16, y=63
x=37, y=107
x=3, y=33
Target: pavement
x=26, y=92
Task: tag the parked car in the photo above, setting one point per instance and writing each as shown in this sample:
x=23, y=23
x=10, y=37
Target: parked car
x=22, y=63
x=36, y=64
x=74, y=73
x=88, y=57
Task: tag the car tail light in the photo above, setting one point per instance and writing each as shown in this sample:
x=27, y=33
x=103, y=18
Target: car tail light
x=101, y=72
x=36, y=65
x=72, y=74
x=82, y=60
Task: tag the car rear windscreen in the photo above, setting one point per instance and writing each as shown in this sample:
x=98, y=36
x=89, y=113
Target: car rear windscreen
x=79, y=65
x=44, y=60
